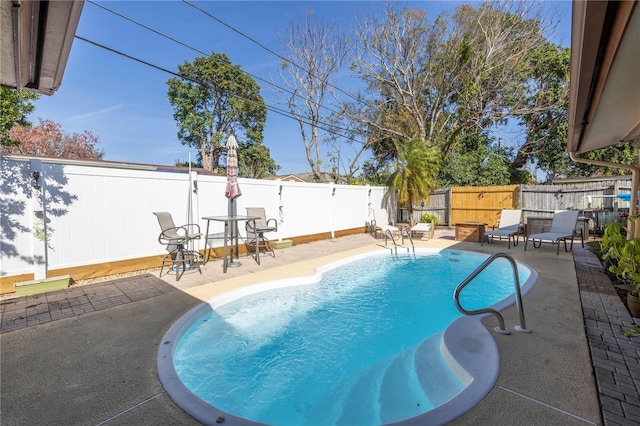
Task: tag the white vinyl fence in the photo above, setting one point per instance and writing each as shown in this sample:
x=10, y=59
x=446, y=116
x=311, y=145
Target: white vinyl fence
x=97, y=212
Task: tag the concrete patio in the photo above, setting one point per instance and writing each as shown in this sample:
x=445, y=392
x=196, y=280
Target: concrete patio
x=87, y=354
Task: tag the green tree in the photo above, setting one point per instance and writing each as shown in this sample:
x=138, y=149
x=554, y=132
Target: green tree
x=211, y=99
x=15, y=106
x=444, y=80
x=545, y=114
x=254, y=161
x=414, y=173
x=476, y=162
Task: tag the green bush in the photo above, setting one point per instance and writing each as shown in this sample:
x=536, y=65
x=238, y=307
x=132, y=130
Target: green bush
x=628, y=266
x=613, y=240
x=428, y=217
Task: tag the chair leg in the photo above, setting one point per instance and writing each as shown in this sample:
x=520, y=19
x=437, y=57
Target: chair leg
x=184, y=259
x=266, y=243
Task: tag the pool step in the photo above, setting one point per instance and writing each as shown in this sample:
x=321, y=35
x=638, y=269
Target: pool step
x=362, y=400
x=434, y=373
x=401, y=394
x=401, y=387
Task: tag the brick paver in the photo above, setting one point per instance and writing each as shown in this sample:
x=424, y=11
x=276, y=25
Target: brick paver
x=615, y=358
x=20, y=312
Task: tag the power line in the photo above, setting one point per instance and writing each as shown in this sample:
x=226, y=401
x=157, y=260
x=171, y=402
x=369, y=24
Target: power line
x=268, y=49
x=148, y=28
x=195, y=49
x=332, y=129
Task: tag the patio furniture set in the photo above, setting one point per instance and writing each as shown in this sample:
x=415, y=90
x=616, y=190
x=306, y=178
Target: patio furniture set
x=182, y=257
x=562, y=227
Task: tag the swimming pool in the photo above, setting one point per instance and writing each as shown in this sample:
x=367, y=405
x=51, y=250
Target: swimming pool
x=366, y=344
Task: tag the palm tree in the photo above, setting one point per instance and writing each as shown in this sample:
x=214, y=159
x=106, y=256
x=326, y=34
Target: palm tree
x=415, y=175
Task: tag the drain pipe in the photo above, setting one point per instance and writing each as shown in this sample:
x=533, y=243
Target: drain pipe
x=635, y=172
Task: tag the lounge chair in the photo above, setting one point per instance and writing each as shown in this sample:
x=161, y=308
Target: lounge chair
x=381, y=223
x=426, y=228
x=563, y=227
x=508, y=227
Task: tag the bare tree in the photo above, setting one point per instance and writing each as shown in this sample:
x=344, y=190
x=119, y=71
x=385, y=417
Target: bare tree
x=464, y=72
x=317, y=52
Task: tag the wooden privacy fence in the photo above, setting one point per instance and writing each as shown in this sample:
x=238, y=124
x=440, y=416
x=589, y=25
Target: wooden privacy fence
x=483, y=203
x=469, y=203
x=597, y=200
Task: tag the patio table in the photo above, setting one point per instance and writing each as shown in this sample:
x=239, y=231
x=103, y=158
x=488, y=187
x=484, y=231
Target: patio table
x=229, y=222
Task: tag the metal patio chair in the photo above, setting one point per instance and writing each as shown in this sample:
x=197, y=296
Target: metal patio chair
x=177, y=239
x=255, y=236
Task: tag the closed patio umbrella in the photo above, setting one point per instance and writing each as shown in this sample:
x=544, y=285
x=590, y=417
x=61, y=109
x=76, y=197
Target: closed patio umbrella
x=232, y=192
x=233, y=189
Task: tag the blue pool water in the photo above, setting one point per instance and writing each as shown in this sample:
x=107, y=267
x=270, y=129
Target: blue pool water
x=361, y=346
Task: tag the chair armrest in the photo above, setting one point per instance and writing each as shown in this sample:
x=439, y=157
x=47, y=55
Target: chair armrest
x=275, y=223
x=177, y=235
x=192, y=229
x=193, y=226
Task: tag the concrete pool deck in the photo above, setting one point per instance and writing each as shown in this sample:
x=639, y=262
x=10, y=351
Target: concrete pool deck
x=87, y=355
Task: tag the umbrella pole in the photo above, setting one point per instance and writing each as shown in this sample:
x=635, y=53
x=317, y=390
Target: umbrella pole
x=232, y=212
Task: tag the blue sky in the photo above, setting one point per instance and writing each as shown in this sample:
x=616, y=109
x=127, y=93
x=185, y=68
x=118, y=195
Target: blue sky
x=124, y=102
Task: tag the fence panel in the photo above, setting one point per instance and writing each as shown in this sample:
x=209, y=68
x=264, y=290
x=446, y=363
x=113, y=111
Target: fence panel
x=438, y=205
x=597, y=201
x=482, y=203
x=101, y=213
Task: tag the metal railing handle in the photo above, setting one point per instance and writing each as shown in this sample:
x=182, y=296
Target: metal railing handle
x=518, y=294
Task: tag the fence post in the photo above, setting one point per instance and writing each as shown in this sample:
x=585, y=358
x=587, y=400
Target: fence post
x=39, y=230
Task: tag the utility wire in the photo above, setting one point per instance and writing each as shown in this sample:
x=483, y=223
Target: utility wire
x=146, y=27
x=268, y=49
x=324, y=126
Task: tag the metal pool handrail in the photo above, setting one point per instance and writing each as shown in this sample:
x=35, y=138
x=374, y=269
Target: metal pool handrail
x=389, y=235
x=406, y=233
x=501, y=329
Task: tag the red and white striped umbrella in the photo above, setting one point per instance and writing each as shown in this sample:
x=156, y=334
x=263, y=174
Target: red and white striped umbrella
x=233, y=189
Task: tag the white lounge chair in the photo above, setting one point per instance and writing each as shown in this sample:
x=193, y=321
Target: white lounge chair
x=508, y=227
x=381, y=223
x=563, y=226
x=426, y=228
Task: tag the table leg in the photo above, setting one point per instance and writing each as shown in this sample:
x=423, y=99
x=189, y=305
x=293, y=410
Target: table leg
x=234, y=240
x=257, y=243
x=224, y=250
x=206, y=240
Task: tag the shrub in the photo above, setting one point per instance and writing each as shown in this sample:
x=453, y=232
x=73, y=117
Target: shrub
x=628, y=264
x=612, y=241
x=428, y=217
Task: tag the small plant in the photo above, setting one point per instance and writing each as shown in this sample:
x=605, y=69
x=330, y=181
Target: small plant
x=42, y=233
x=613, y=240
x=428, y=217
x=633, y=332
x=628, y=265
